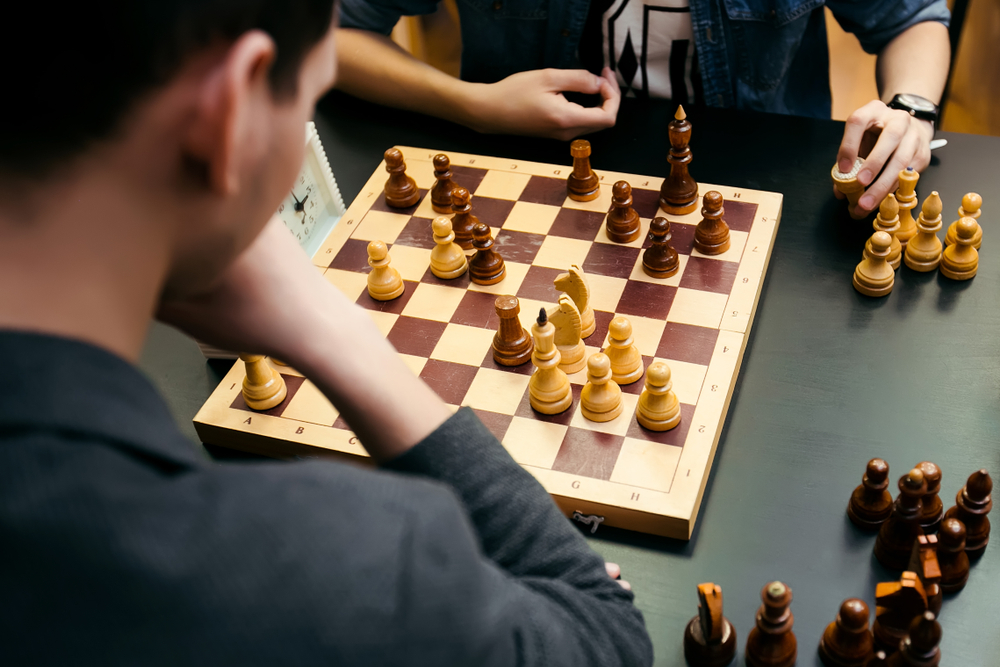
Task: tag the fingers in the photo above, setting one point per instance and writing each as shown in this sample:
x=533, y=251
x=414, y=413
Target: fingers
x=901, y=158
x=615, y=572
x=854, y=130
x=574, y=120
x=896, y=128
x=572, y=80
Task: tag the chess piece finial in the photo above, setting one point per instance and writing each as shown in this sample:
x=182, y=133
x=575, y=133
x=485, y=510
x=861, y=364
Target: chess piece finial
x=887, y=220
x=512, y=345
x=847, y=640
x=907, y=198
x=384, y=282
x=771, y=642
x=933, y=509
x=400, y=190
x=582, y=184
x=973, y=502
x=549, y=390
x=847, y=182
x=898, y=534
x=660, y=260
x=623, y=221
x=952, y=559
x=487, y=266
x=873, y=276
x=463, y=221
x=709, y=639
x=711, y=236
x=658, y=409
x=626, y=362
x=970, y=208
x=574, y=283
x=680, y=115
x=263, y=386
x=601, y=398
x=960, y=261
x=447, y=259
x=921, y=645
x=679, y=192
x=871, y=502
x=923, y=252
x=441, y=192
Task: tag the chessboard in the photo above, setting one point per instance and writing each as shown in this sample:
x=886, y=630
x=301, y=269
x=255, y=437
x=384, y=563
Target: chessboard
x=697, y=321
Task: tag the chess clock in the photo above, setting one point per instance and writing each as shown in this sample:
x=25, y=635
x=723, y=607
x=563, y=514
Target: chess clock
x=314, y=205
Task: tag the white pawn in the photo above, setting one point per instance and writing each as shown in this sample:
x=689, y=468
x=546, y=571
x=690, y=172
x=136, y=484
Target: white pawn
x=659, y=409
x=626, y=362
x=384, y=282
x=263, y=387
x=601, y=398
x=447, y=258
x=549, y=391
x=566, y=319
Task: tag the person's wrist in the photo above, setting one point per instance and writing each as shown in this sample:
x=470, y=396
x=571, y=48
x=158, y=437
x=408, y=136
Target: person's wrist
x=464, y=101
x=927, y=127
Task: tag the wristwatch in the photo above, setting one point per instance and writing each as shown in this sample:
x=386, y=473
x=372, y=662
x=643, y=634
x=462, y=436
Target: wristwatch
x=916, y=106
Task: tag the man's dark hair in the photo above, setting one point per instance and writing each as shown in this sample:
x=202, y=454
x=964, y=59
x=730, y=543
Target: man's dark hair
x=72, y=70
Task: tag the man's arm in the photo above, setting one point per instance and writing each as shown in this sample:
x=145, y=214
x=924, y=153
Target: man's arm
x=374, y=68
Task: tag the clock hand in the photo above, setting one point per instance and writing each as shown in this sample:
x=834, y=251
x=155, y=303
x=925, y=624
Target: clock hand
x=299, y=205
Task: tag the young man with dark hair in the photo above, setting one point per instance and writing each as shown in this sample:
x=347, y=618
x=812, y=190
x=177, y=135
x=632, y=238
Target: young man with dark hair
x=138, y=176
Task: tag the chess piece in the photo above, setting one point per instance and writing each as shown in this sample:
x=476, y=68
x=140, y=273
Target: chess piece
x=972, y=504
x=447, y=259
x=464, y=221
x=384, y=282
x=512, y=345
x=679, y=192
x=847, y=182
x=582, y=184
x=887, y=220
x=263, y=387
x=601, y=399
x=920, y=647
x=899, y=532
x=623, y=221
x=660, y=260
x=871, y=502
x=711, y=236
x=771, y=642
x=566, y=319
x=923, y=252
x=549, y=390
x=961, y=261
x=658, y=409
x=486, y=267
x=907, y=197
x=933, y=509
x=924, y=562
x=897, y=603
x=709, y=639
x=441, y=192
x=878, y=660
x=873, y=276
x=952, y=559
x=847, y=641
x=400, y=190
x=970, y=208
x=626, y=362
x=574, y=283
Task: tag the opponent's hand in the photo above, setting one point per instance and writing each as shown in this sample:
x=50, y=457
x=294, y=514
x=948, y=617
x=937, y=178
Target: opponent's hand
x=532, y=103
x=889, y=140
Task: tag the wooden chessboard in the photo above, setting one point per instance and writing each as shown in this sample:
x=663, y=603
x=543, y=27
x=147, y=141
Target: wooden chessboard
x=697, y=321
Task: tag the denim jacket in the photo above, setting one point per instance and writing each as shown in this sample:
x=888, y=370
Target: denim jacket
x=768, y=55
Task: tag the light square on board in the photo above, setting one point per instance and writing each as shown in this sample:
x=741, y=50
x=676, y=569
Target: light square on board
x=415, y=364
x=649, y=465
x=380, y=205
x=463, y=345
x=605, y=291
x=434, y=302
x=531, y=218
x=380, y=226
x=534, y=443
x=646, y=333
x=422, y=174
x=392, y=305
x=502, y=185
x=496, y=391
x=602, y=204
x=511, y=282
x=529, y=311
x=310, y=405
x=675, y=437
x=703, y=309
x=737, y=241
x=617, y=426
x=352, y=284
x=687, y=379
x=673, y=281
x=411, y=262
x=425, y=209
x=559, y=253
x=384, y=321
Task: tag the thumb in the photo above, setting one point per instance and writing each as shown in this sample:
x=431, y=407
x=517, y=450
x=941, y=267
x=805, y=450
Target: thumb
x=573, y=80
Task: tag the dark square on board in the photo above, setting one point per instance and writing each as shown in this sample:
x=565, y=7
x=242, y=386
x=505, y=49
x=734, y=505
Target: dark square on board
x=353, y=256
x=602, y=320
x=292, y=384
x=709, y=275
x=380, y=205
x=524, y=408
x=468, y=177
x=674, y=436
x=538, y=285
x=588, y=453
x=417, y=234
x=606, y=259
x=681, y=238
x=527, y=368
x=393, y=305
x=491, y=212
x=545, y=190
x=687, y=342
x=495, y=422
x=646, y=202
x=518, y=247
x=739, y=214
x=572, y=223
x=412, y=335
x=477, y=309
x=646, y=300
x=449, y=380
x=462, y=282
x=640, y=384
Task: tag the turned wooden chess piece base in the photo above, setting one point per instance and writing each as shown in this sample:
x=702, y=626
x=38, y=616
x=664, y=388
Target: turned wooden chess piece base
x=512, y=346
x=601, y=398
x=961, y=260
x=847, y=642
x=623, y=221
x=658, y=409
x=711, y=236
x=709, y=639
x=660, y=260
x=263, y=387
x=871, y=502
x=400, y=190
x=582, y=184
x=448, y=260
x=873, y=276
x=970, y=208
x=771, y=642
x=923, y=252
x=549, y=391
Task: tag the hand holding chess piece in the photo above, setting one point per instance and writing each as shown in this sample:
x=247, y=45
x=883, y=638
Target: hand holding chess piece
x=847, y=182
x=400, y=190
x=263, y=387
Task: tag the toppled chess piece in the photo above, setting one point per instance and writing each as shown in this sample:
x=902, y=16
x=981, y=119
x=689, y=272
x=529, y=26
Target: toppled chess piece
x=924, y=562
x=263, y=386
x=679, y=192
x=549, y=390
x=920, y=647
x=660, y=260
x=711, y=236
x=623, y=221
x=871, y=502
x=952, y=559
x=970, y=208
x=771, y=642
x=897, y=535
x=601, y=398
x=847, y=641
x=486, y=267
x=847, y=182
x=973, y=502
x=906, y=196
x=566, y=319
x=384, y=282
x=626, y=362
x=897, y=604
x=887, y=220
x=448, y=261
x=400, y=190
x=709, y=639
x=464, y=221
x=574, y=283
x=960, y=261
x=441, y=192
x=923, y=252
x=873, y=276
x=658, y=409
x=582, y=184
x=512, y=346
x=933, y=509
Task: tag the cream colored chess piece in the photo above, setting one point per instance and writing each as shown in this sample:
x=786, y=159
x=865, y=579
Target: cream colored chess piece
x=887, y=220
x=447, y=257
x=874, y=276
x=847, y=182
x=907, y=197
x=574, y=283
x=961, y=261
x=971, y=208
x=384, y=282
x=263, y=387
x=626, y=362
x=923, y=252
x=549, y=390
x=659, y=409
x=601, y=399
x=566, y=319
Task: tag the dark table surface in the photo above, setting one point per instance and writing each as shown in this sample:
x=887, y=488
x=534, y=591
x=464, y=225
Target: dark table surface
x=830, y=378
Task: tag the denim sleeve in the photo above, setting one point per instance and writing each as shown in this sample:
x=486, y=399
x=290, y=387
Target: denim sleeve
x=381, y=15
x=876, y=23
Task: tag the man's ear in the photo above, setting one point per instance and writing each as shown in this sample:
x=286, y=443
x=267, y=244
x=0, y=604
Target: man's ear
x=222, y=130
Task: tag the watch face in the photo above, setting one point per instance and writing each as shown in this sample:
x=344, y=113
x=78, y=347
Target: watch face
x=917, y=102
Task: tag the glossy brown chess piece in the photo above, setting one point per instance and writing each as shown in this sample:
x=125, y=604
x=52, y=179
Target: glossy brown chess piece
x=512, y=346
x=920, y=647
x=973, y=502
x=582, y=184
x=924, y=562
x=679, y=192
x=897, y=604
x=970, y=208
x=709, y=639
x=933, y=510
x=711, y=236
x=906, y=196
x=961, y=261
x=486, y=267
x=771, y=642
x=887, y=220
x=623, y=221
x=923, y=252
x=660, y=259
x=952, y=558
x=847, y=641
x=263, y=386
x=897, y=535
x=441, y=192
x=463, y=222
x=400, y=190
x=873, y=276
x=871, y=502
